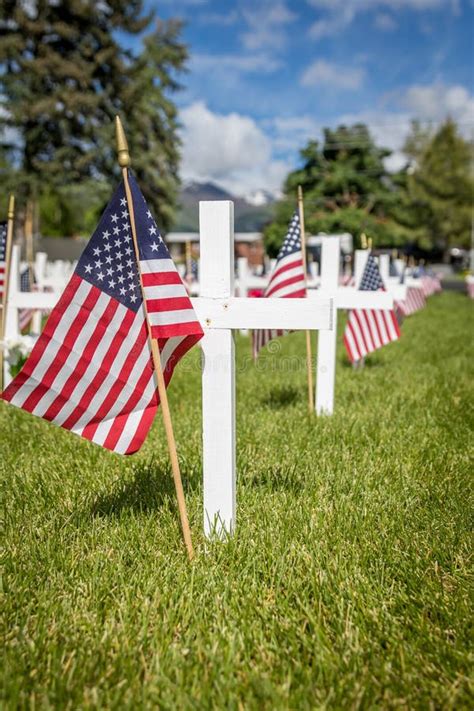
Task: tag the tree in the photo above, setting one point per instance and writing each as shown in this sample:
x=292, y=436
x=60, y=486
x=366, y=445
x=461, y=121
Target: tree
x=152, y=122
x=440, y=188
x=346, y=188
x=64, y=75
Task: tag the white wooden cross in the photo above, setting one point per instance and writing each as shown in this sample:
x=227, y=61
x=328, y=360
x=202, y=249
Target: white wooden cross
x=220, y=313
x=18, y=300
x=344, y=298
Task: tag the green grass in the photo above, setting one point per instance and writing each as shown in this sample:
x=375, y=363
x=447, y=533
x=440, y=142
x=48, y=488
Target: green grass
x=346, y=585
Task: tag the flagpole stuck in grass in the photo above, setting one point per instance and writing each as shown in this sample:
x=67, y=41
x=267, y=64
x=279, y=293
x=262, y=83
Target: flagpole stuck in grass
x=124, y=162
x=6, y=280
x=29, y=247
x=309, y=359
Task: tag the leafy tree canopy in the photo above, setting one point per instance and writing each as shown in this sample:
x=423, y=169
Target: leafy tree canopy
x=440, y=186
x=346, y=189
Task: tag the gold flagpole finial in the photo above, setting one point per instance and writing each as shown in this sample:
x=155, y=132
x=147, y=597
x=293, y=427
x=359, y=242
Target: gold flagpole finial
x=300, y=193
x=369, y=244
x=363, y=240
x=11, y=207
x=122, y=145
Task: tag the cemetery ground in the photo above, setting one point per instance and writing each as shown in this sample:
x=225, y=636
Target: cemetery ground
x=346, y=585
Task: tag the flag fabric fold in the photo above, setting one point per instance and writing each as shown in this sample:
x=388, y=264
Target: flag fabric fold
x=91, y=370
x=287, y=280
x=369, y=329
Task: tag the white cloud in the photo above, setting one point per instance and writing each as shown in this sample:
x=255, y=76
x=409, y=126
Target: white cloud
x=241, y=155
x=339, y=77
x=431, y=104
x=266, y=24
x=216, y=18
x=385, y=22
x=240, y=63
x=337, y=15
x=230, y=149
x=434, y=102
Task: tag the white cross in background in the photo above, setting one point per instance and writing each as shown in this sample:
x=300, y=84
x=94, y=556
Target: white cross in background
x=220, y=313
x=344, y=298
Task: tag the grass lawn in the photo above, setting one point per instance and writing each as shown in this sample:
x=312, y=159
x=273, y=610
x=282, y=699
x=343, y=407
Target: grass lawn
x=346, y=586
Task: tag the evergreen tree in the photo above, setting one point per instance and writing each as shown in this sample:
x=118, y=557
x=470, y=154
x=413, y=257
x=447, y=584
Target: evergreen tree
x=440, y=188
x=151, y=121
x=346, y=189
x=64, y=75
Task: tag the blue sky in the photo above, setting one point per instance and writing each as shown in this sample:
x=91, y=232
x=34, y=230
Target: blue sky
x=266, y=75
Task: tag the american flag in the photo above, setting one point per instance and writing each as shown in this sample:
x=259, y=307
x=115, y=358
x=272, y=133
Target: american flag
x=3, y=250
x=430, y=282
x=287, y=279
x=413, y=302
x=25, y=315
x=91, y=370
x=369, y=329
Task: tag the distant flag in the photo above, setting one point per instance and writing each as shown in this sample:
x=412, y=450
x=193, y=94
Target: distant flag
x=370, y=329
x=3, y=249
x=413, y=302
x=192, y=272
x=470, y=286
x=91, y=370
x=25, y=315
x=287, y=279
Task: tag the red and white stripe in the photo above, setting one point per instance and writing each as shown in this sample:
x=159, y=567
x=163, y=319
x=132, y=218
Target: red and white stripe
x=369, y=329
x=91, y=372
x=286, y=281
x=168, y=304
x=414, y=301
x=2, y=278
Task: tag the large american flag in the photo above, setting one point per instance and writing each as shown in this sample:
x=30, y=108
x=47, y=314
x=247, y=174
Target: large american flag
x=3, y=251
x=91, y=370
x=369, y=329
x=287, y=279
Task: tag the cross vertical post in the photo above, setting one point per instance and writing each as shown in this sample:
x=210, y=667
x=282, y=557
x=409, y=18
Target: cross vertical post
x=327, y=340
x=216, y=223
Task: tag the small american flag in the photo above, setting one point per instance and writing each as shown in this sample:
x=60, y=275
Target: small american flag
x=91, y=370
x=369, y=329
x=3, y=250
x=287, y=279
x=413, y=302
x=25, y=315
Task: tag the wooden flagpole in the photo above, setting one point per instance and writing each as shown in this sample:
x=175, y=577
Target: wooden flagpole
x=189, y=259
x=6, y=280
x=29, y=239
x=124, y=162
x=309, y=359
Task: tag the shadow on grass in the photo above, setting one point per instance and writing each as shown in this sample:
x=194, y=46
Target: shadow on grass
x=282, y=397
x=146, y=492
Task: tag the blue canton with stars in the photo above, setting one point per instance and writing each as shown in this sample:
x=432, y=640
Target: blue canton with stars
x=292, y=241
x=371, y=279
x=3, y=240
x=25, y=281
x=108, y=262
